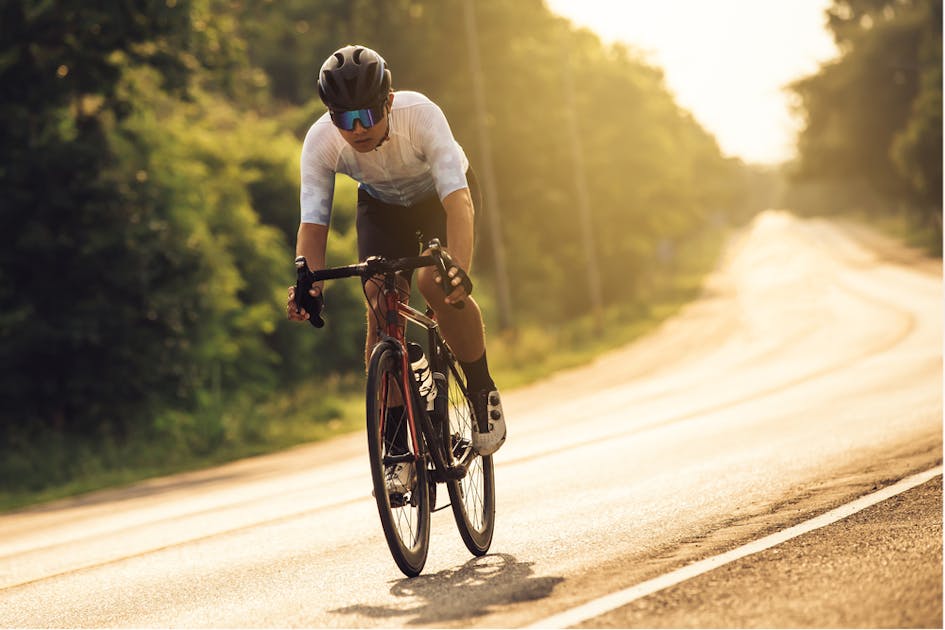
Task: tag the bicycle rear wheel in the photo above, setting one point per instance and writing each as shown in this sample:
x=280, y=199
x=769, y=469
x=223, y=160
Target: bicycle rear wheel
x=472, y=497
x=405, y=517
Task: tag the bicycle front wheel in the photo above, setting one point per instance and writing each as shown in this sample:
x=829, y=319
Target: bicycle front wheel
x=404, y=512
x=472, y=497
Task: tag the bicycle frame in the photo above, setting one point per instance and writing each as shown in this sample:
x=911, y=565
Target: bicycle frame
x=395, y=309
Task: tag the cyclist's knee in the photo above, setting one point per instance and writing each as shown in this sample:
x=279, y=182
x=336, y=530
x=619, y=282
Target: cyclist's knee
x=429, y=288
x=372, y=292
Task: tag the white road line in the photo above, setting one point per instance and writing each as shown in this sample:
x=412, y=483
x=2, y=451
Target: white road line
x=613, y=601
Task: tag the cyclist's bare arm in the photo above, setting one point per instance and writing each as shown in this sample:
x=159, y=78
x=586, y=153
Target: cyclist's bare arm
x=311, y=242
x=459, y=233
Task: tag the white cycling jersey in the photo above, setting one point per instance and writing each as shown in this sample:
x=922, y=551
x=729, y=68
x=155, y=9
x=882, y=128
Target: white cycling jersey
x=420, y=158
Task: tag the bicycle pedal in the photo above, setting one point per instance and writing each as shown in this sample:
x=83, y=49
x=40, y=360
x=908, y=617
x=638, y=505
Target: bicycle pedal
x=397, y=499
x=454, y=473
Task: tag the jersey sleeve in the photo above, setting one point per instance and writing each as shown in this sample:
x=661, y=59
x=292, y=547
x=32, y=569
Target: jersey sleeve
x=447, y=161
x=318, y=178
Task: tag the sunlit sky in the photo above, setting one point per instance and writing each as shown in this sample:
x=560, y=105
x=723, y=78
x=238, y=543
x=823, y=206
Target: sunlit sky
x=727, y=61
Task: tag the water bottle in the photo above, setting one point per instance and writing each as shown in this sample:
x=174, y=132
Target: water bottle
x=421, y=372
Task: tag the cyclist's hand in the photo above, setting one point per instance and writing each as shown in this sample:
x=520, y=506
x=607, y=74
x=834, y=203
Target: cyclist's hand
x=305, y=296
x=450, y=276
x=458, y=285
x=297, y=313
x=455, y=276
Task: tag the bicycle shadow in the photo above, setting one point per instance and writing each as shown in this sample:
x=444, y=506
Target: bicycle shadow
x=472, y=590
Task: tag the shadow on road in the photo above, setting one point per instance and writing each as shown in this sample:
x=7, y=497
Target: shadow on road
x=472, y=590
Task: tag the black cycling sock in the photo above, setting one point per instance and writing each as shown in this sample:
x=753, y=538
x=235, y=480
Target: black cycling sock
x=477, y=375
x=395, y=431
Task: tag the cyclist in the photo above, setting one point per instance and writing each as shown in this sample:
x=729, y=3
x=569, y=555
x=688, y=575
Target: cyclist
x=414, y=185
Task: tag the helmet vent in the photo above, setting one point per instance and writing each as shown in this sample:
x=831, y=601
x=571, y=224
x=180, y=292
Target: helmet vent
x=329, y=80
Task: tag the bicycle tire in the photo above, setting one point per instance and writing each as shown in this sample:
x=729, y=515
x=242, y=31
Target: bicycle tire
x=472, y=497
x=405, y=518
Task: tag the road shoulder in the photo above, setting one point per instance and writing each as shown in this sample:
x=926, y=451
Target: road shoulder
x=881, y=567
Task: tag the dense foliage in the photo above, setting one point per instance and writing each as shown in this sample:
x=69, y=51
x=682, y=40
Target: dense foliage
x=873, y=135
x=149, y=178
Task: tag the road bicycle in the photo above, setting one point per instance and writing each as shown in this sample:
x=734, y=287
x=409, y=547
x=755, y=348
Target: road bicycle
x=416, y=413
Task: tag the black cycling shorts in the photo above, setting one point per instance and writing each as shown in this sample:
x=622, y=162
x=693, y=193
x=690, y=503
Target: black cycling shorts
x=396, y=231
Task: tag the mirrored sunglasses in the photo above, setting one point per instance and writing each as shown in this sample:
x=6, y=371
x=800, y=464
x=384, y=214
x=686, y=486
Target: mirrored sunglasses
x=369, y=117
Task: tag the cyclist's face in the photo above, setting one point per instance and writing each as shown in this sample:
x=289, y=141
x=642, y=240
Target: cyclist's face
x=364, y=140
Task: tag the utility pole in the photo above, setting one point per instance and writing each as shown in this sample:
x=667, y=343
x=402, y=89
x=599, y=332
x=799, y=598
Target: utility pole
x=584, y=204
x=488, y=171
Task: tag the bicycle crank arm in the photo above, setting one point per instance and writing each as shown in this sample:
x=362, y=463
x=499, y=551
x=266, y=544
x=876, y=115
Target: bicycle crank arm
x=406, y=458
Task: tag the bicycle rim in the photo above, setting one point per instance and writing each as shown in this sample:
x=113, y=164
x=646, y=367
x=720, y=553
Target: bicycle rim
x=405, y=518
x=472, y=497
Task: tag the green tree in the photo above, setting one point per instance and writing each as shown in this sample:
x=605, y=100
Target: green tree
x=63, y=260
x=873, y=129
x=917, y=149
x=136, y=276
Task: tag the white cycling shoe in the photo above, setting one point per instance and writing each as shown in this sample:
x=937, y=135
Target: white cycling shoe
x=400, y=478
x=488, y=431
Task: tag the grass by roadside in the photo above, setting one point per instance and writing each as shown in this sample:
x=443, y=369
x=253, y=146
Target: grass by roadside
x=311, y=413
x=306, y=414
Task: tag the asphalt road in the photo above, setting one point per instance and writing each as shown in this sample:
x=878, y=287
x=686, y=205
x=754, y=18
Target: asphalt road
x=880, y=568
x=809, y=374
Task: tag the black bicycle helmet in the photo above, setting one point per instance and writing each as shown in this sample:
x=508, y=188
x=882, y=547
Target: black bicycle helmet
x=353, y=77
